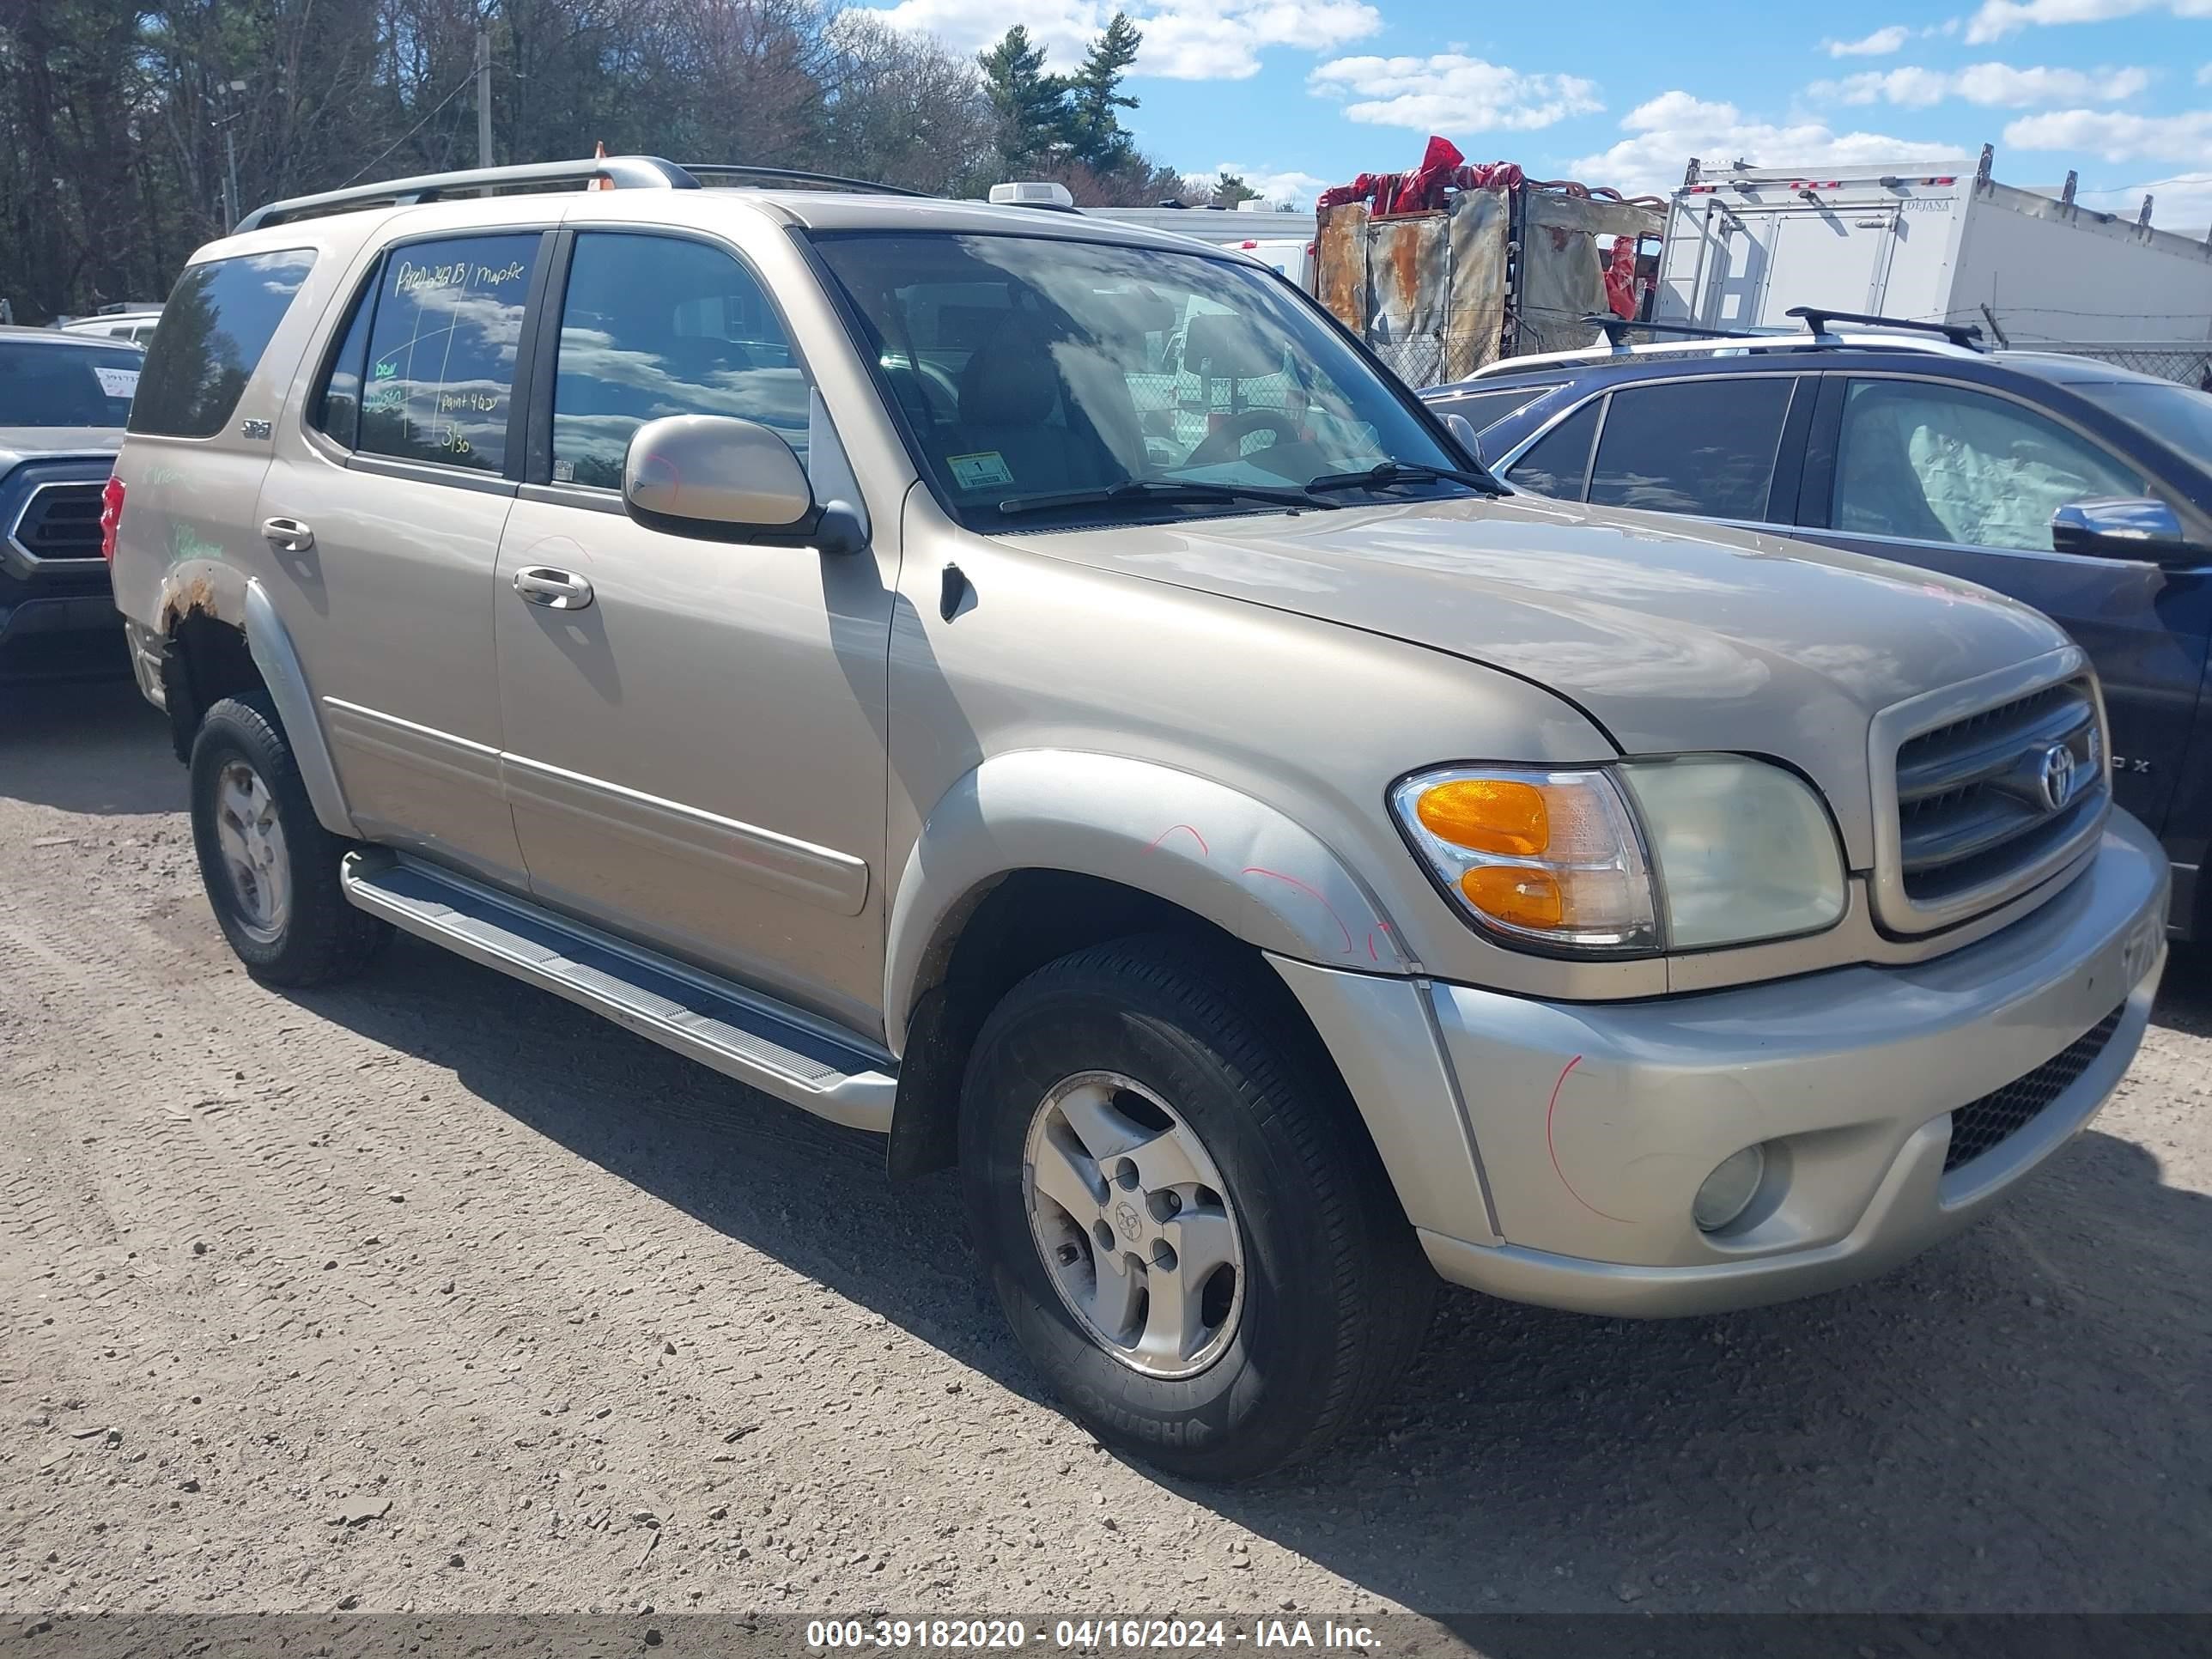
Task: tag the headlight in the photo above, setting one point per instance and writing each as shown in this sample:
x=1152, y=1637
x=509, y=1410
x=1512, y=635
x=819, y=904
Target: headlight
x=1551, y=858
x=1714, y=850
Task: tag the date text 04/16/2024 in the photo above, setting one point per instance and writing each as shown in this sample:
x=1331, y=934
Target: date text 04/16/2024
x=1094, y=1634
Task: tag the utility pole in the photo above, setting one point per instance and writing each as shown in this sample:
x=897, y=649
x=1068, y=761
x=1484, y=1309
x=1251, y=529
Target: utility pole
x=483, y=97
x=231, y=90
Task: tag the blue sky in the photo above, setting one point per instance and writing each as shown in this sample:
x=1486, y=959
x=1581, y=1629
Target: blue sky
x=1299, y=93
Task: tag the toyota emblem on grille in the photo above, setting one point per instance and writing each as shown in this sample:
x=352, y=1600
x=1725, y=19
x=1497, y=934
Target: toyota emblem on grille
x=2058, y=775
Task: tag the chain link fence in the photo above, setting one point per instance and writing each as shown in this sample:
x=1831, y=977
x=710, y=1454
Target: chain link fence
x=2187, y=362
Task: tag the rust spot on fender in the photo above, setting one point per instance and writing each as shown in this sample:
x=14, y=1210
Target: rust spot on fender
x=194, y=595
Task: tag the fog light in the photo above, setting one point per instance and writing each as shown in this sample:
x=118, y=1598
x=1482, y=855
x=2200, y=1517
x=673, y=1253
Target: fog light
x=1729, y=1189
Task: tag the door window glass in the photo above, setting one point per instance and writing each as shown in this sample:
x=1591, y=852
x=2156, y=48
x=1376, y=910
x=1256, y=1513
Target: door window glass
x=1705, y=446
x=337, y=406
x=441, y=351
x=1557, y=462
x=659, y=326
x=1942, y=463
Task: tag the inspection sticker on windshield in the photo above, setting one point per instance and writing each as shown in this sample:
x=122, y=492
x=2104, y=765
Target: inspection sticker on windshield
x=118, y=382
x=980, y=470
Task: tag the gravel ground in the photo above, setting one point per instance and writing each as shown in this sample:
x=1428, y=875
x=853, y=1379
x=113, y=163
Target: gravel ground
x=431, y=1293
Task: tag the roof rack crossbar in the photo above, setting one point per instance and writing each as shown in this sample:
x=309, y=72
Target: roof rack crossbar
x=730, y=170
x=1817, y=318
x=1616, y=327
x=624, y=172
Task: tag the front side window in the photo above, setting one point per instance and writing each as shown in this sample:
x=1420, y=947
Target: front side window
x=659, y=326
x=1028, y=368
x=1704, y=447
x=442, y=349
x=1942, y=463
x=56, y=385
x=2179, y=416
x=217, y=323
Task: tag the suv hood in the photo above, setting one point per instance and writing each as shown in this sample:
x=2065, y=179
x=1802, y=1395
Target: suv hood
x=27, y=443
x=1670, y=639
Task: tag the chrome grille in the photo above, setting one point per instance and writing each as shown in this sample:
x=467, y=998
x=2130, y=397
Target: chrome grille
x=59, y=521
x=1990, y=802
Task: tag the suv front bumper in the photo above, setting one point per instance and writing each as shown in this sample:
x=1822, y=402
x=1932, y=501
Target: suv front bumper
x=1550, y=1152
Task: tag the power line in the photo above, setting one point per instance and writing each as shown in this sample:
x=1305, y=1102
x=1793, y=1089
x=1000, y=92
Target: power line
x=419, y=125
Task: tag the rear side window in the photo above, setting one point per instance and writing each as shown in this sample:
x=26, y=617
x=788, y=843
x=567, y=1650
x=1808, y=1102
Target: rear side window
x=337, y=406
x=216, y=324
x=1557, y=462
x=442, y=347
x=1704, y=447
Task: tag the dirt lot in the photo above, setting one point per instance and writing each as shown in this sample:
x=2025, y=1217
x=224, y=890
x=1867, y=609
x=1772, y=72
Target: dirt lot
x=430, y=1293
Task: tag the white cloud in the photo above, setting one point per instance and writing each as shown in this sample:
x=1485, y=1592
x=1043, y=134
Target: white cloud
x=2204, y=75
x=1451, y=91
x=1222, y=42
x=2116, y=136
x=1991, y=85
x=1184, y=39
x=1998, y=18
x=1275, y=185
x=2181, y=202
x=1671, y=128
x=1879, y=44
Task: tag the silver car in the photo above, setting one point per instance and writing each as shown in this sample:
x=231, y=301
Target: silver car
x=1035, y=689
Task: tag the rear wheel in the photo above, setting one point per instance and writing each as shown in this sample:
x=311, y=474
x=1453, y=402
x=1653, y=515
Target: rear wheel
x=269, y=867
x=1189, y=1232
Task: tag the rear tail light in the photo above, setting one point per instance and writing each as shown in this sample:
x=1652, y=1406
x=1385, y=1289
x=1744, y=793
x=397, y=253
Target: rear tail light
x=110, y=516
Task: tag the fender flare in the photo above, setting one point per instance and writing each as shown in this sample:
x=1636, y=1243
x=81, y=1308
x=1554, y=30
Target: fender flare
x=270, y=644
x=1201, y=845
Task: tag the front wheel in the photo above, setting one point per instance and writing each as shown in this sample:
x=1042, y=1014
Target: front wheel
x=1183, y=1220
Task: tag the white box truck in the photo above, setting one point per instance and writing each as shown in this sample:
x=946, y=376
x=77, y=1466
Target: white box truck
x=1933, y=243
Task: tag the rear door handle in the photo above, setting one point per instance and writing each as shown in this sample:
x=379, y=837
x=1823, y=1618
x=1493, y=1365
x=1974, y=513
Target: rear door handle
x=291, y=534
x=556, y=590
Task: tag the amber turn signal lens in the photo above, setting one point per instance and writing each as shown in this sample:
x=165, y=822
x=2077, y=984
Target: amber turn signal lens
x=1525, y=898
x=1489, y=815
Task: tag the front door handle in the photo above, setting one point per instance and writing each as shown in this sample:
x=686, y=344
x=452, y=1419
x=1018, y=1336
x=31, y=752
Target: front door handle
x=291, y=534
x=556, y=590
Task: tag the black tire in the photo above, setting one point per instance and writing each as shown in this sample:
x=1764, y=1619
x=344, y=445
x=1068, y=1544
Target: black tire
x=1337, y=1294
x=321, y=938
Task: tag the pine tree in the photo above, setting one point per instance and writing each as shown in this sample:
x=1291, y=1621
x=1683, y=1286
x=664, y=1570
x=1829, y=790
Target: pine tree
x=1095, y=136
x=1030, y=104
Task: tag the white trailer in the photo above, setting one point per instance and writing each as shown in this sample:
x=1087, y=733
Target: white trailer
x=1941, y=243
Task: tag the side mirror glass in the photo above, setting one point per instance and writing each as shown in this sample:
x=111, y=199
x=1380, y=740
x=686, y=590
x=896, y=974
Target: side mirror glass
x=2144, y=530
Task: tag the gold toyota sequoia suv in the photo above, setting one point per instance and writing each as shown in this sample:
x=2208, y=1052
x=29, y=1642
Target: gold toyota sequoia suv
x=1036, y=690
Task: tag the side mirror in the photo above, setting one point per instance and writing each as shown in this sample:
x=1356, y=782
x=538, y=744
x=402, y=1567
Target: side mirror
x=732, y=480
x=1469, y=439
x=2147, y=531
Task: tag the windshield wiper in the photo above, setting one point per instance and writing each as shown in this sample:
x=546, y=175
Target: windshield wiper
x=1163, y=492
x=1385, y=473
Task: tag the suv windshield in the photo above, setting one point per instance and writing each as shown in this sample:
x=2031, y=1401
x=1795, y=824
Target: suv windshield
x=44, y=383
x=2177, y=418
x=1054, y=379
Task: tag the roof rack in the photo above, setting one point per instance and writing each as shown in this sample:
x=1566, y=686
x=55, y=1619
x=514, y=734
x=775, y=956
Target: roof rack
x=622, y=172
x=1616, y=328
x=1817, y=318
x=724, y=170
